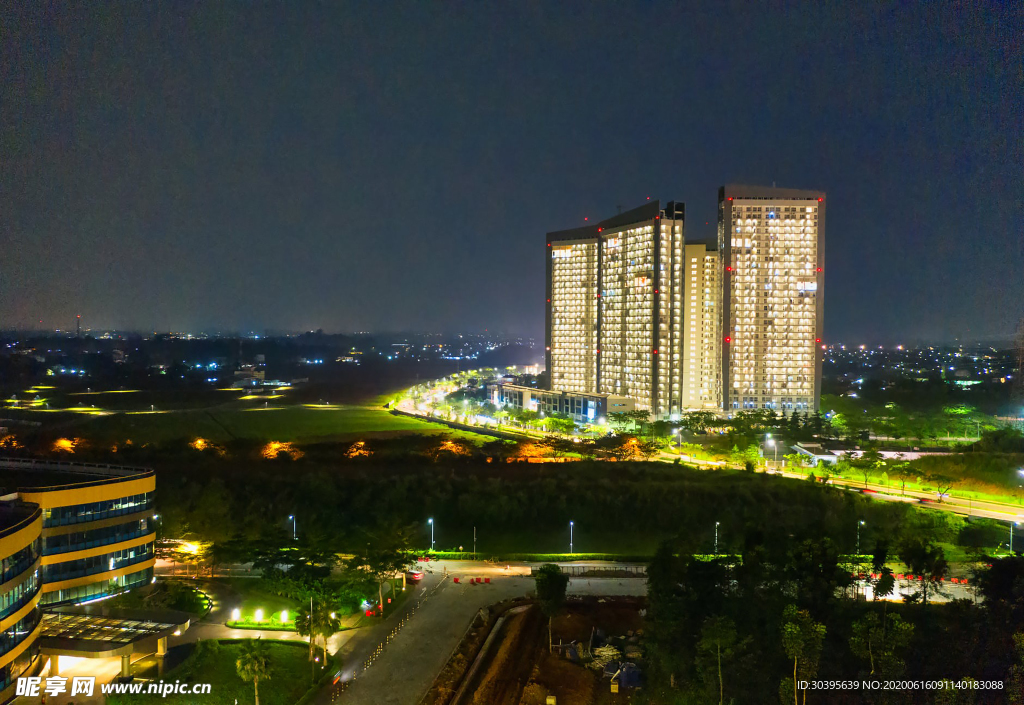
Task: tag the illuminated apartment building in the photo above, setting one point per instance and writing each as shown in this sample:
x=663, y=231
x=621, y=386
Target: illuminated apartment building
x=771, y=250
x=615, y=307
x=701, y=378
x=572, y=309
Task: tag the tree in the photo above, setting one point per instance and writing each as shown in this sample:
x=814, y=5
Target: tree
x=551, y=583
x=802, y=639
x=904, y=472
x=943, y=483
x=879, y=641
x=319, y=623
x=384, y=557
x=1015, y=684
x=717, y=639
x=698, y=421
x=254, y=664
x=924, y=558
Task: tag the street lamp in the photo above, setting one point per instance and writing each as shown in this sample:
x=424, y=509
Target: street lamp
x=570, y=537
x=717, y=524
x=294, y=535
x=431, y=522
x=859, y=524
x=771, y=442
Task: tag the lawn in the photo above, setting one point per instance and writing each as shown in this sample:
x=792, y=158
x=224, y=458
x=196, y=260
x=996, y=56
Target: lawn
x=289, y=677
x=248, y=596
x=277, y=423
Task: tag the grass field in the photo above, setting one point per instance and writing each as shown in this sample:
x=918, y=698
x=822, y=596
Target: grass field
x=277, y=423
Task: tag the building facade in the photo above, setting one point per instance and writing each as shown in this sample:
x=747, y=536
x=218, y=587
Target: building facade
x=572, y=311
x=20, y=588
x=771, y=251
x=634, y=311
x=615, y=307
x=701, y=382
x=69, y=534
x=581, y=407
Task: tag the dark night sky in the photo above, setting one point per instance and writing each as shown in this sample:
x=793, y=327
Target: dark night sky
x=379, y=166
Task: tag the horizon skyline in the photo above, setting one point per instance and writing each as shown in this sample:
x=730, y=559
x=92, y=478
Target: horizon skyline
x=247, y=167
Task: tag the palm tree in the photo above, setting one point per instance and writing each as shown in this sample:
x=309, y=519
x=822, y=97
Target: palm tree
x=325, y=624
x=253, y=664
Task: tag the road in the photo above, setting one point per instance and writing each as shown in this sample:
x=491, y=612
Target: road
x=434, y=623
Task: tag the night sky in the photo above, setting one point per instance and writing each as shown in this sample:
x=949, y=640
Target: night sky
x=376, y=166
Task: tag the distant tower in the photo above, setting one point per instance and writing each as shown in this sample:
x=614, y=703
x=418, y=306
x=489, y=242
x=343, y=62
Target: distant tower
x=78, y=326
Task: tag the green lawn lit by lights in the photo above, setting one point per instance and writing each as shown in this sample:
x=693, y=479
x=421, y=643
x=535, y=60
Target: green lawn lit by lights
x=278, y=423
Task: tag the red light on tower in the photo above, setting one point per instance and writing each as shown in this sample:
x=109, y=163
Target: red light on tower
x=820, y=200
x=728, y=339
x=600, y=229
x=655, y=291
x=586, y=219
x=728, y=269
x=549, y=300
x=819, y=269
x=655, y=352
x=817, y=340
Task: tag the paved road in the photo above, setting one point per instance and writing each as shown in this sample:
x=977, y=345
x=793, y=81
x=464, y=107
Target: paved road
x=436, y=622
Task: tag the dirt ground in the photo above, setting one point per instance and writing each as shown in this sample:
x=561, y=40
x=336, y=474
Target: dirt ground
x=571, y=683
x=510, y=667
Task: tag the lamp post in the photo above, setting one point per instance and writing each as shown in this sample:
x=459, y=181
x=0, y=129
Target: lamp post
x=570, y=537
x=771, y=442
x=294, y=534
x=679, y=440
x=717, y=524
x=859, y=524
x=431, y=522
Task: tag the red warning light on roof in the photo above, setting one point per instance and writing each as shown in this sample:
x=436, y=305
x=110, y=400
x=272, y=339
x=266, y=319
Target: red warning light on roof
x=817, y=340
x=728, y=339
x=549, y=300
x=655, y=352
x=600, y=229
x=820, y=200
x=728, y=269
x=819, y=269
x=586, y=219
x=730, y=198
x=655, y=291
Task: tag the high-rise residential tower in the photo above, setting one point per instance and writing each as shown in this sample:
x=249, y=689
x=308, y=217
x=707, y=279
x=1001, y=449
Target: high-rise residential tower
x=771, y=252
x=572, y=309
x=701, y=339
x=615, y=307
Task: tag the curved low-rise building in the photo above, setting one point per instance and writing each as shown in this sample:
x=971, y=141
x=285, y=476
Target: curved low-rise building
x=20, y=588
x=69, y=534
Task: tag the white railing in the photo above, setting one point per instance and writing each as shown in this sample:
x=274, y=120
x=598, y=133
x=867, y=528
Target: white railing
x=67, y=466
